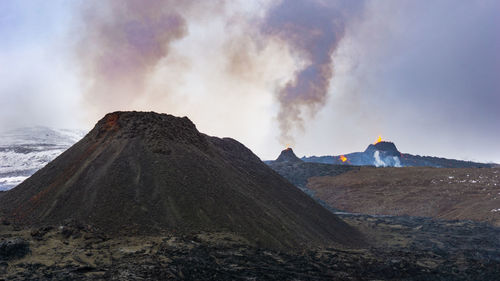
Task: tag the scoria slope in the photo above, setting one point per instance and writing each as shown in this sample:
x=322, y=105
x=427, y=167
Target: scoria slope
x=144, y=173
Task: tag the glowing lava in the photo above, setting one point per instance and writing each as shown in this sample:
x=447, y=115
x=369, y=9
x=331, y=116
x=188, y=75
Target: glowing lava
x=343, y=158
x=378, y=140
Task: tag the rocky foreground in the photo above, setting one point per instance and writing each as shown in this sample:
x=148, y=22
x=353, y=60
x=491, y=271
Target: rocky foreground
x=402, y=248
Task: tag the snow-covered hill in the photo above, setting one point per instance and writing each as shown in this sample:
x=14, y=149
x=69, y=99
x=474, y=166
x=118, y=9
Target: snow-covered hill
x=24, y=151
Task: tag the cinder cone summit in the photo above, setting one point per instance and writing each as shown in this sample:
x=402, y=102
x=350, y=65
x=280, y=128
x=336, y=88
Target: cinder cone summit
x=287, y=155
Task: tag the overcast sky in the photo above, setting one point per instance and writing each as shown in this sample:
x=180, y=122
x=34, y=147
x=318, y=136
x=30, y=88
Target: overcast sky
x=326, y=77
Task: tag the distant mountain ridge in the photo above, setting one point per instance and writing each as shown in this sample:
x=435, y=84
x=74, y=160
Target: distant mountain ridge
x=385, y=154
x=24, y=151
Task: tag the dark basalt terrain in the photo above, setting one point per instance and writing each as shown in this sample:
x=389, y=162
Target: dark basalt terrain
x=404, y=248
x=147, y=173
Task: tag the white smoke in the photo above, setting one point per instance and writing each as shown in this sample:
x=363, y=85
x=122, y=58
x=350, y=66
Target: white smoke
x=397, y=163
x=385, y=162
x=378, y=162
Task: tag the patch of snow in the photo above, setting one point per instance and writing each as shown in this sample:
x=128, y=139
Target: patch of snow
x=7, y=182
x=12, y=161
x=40, y=135
x=24, y=151
x=495, y=210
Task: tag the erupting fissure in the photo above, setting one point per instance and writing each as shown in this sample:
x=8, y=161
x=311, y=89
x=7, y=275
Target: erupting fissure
x=378, y=140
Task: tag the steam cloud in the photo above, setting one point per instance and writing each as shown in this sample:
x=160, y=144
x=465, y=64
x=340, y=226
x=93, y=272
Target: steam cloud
x=377, y=161
x=313, y=29
x=390, y=161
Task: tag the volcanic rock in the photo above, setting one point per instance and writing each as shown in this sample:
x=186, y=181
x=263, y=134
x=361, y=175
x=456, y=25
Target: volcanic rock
x=288, y=155
x=386, y=147
x=13, y=248
x=147, y=173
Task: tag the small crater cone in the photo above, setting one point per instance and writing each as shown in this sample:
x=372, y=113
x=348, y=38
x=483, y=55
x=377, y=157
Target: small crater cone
x=287, y=155
x=388, y=148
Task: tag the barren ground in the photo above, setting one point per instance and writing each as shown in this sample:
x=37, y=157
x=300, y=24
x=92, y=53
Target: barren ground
x=465, y=194
x=402, y=248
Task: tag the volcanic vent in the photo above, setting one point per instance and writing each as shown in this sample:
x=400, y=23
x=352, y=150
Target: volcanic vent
x=145, y=173
x=385, y=147
x=288, y=155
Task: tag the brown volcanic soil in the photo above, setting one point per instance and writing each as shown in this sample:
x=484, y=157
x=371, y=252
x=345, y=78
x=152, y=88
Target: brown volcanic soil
x=443, y=193
x=145, y=173
x=299, y=173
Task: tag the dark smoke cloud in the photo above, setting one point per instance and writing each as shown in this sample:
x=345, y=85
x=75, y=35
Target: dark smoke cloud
x=121, y=43
x=313, y=29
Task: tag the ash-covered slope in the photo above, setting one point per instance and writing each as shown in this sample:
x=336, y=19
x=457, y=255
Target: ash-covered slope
x=145, y=173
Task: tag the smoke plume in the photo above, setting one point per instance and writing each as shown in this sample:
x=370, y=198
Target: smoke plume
x=386, y=161
x=124, y=44
x=377, y=161
x=121, y=43
x=313, y=29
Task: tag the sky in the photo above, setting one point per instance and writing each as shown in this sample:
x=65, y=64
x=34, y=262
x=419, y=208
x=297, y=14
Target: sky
x=324, y=77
